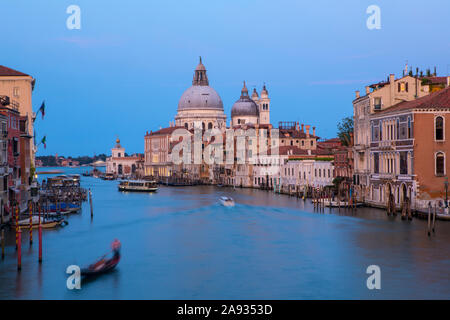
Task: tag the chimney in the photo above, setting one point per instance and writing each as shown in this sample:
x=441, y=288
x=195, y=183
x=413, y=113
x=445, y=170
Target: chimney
x=297, y=127
x=367, y=90
x=357, y=94
x=448, y=81
x=391, y=78
x=303, y=127
x=307, y=130
x=314, y=131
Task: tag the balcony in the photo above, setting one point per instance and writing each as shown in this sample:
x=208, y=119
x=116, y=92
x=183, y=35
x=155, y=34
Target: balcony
x=387, y=145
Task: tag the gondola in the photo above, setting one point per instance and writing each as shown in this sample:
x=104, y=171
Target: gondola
x=104, y=265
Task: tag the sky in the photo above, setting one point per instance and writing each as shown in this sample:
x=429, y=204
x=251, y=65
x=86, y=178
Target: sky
x=124, y=71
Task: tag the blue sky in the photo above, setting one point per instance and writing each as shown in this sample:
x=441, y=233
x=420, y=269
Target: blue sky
x=124, y=71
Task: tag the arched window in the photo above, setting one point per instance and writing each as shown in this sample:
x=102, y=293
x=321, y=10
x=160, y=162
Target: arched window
x=210, y=125
x=439, y=128
x=203, y=125
x=186, y=125
x=440, y=164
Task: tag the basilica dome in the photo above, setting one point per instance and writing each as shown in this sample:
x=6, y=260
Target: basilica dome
x=200, y=97
x=244, y=106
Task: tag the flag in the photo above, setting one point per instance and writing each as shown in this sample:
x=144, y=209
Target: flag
x=42, y=109
x=44, y=139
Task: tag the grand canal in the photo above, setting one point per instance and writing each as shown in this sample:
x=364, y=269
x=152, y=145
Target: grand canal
x=179, y=243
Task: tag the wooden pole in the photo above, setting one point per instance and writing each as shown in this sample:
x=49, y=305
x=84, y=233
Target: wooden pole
x=434, y=218
x=429, y=218
x=17, y=225
x=40, y=242
x=3, y=244
x=31, y=222
x=90, y=202
x=19, y=250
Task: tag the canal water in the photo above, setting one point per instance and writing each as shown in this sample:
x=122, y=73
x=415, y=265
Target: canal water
x=179, y=243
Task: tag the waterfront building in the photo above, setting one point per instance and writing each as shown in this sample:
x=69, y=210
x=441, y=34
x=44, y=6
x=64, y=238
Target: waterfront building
x=122, y=165
x=200, y=107
x=381, y=96
x=409, y=152
x=19, y=86
x=157, y=155
x=4, y=168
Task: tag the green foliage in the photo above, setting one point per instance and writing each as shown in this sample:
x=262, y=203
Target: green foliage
x=345, y=127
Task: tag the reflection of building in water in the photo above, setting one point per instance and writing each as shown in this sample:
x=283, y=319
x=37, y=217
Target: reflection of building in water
x=122, y=165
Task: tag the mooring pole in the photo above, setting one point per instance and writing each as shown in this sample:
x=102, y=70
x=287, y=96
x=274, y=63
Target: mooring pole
x=40, y=242
x=17, y=225
x=19, y=250
x=3, y=244
x=429, y=218
x=31, y=222
x=90, y=202
x=434, y=218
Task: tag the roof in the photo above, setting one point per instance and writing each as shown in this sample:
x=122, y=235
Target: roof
x=435, y=80
x=436, y=100
x=167, y=130
x=8, y=72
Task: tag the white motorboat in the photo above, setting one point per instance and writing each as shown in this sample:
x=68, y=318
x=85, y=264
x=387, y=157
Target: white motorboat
x=226, y=201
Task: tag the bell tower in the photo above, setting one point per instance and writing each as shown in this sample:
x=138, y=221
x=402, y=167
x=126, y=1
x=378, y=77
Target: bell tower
x=264, y=106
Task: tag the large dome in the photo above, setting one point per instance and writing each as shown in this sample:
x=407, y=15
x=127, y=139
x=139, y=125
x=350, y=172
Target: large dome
x=244, y=106
x=200, y=97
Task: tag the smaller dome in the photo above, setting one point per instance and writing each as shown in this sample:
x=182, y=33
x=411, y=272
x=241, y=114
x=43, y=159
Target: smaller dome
x=244, y=106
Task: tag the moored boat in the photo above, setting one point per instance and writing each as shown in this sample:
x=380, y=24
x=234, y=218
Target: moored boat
x=138, y=185
x=45, y=223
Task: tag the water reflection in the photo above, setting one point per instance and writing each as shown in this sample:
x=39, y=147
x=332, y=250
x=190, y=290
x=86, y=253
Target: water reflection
x=180, y=243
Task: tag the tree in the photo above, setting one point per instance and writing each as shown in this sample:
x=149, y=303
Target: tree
x=345, y=128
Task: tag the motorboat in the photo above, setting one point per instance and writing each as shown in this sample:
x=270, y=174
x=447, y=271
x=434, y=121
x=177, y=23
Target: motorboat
x=138, y=185
x=226, y=201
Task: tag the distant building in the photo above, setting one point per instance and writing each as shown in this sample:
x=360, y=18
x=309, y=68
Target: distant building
x=122, y=165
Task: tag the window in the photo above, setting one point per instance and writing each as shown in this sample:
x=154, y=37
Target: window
x=303, y=143
x=376, y=163
x=397, y=130
x=403, y=163
x=210, y=125
x=439, y=128
x=440, y=164
x=377, y=103
x=409, y=128
x=312, y=143
x=16, y=91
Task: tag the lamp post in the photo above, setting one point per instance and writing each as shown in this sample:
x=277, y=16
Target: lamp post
x=446, y=191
